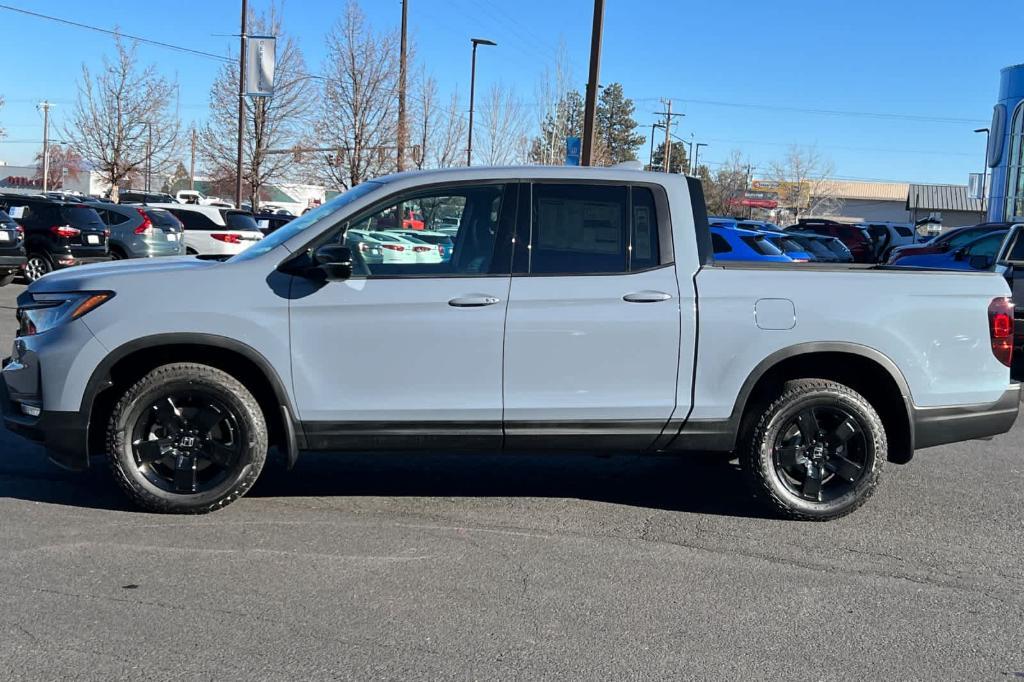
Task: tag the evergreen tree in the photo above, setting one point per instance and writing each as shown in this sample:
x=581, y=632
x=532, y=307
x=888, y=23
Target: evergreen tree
x=616, y=128
x=566, y=120
x=677, y=164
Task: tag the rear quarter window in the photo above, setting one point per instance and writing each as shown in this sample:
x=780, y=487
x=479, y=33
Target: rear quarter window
x=81, y=216
x=240, y=220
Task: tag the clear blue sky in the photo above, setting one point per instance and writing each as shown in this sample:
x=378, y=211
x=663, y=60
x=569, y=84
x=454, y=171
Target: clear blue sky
x=927, y=58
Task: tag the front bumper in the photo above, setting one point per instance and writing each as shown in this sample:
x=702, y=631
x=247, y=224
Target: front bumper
x=941, y=425
x=65, y=435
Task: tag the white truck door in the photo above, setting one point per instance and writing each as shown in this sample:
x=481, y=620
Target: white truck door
x=593, y=324
x=408, y=353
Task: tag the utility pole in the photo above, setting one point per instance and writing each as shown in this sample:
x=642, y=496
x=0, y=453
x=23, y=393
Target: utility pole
x=45, y=106
x=241, y=104
x=402, y=79
x=667, y=160
x=650, y=159
x=590, y=107
x=750, y=209
x=192, y=165
x=696, y=153
x=149, y=156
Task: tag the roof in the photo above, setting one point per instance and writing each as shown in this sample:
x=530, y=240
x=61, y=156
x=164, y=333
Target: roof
x=942, y=198
x=876, y=191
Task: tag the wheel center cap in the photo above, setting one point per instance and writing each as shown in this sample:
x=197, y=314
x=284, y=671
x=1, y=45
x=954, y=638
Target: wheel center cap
x=188, y=441
x=819, y=451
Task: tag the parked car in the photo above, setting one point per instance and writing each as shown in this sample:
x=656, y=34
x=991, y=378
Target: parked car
x=442, y=241
x=978, y=254
x=888, y=236
x=215, y=231
x=823, y=249
x=558, y=325
x=417, y=250
x=856, y=239
x=718, y=221
x=731, y=244
x=58, y=234
x=141, y=231
x=952, y=239
x=12, y=249
x=191, y=196
x=794, y=250
x=1009, y=263
x=759, y=225
x=365, y=249
x=269, y=222
x=141, y=196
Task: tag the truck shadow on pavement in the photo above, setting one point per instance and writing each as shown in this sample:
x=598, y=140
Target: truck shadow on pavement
x=701, y=483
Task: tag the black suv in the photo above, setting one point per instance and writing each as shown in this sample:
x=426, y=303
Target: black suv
x=58, y=234
x=12, y=249
x=141, y=196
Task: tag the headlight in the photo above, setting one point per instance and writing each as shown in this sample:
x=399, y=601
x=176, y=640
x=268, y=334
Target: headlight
x=46, y=311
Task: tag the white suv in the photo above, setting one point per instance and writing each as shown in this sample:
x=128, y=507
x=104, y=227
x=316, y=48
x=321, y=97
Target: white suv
x=210, y=230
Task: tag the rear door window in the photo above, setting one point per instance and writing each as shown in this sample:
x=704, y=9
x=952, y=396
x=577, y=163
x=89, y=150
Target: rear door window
x=194, y=220
x=163, y=219
x=719, y=244
x=81, y=217
x=761, y=245
x=241, y=221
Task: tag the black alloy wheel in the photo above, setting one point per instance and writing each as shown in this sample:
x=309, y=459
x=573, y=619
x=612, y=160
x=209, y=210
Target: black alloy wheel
x=187, y=442
x=821, y=453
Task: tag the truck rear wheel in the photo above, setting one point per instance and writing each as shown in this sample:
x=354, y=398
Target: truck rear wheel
x=186, y=438
x=816, y=452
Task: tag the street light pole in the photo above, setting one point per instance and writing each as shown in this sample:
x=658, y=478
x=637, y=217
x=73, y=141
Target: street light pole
x=241, y=105
x=472, y=95
x=590, y=106
x=696, y=153
x=402, y=79
x=45, y=106
x=984, y=168
x=650, y=160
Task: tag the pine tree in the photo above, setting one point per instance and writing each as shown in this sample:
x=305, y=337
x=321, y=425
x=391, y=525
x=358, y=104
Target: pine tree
x=616, y=128
x=565, y=121
x=678, y=162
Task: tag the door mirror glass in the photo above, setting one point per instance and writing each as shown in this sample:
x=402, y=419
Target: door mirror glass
x=334, y=261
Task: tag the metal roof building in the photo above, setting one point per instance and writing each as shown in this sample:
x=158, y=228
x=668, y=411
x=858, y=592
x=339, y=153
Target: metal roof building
x=949, y=203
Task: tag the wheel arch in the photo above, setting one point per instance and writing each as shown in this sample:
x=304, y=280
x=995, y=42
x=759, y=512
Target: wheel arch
x=864, y=369
x=130, y=361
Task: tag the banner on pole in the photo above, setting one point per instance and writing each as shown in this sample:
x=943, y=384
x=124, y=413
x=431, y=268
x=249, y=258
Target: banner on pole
x=260, y=58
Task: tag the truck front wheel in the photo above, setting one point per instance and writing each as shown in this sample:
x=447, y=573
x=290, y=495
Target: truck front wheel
x=186, y=438
x=816, y=452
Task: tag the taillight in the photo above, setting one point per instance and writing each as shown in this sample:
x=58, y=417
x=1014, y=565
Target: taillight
x=65, y=231
x=420, y=249
x=393, y=247
x=440, y=251
x=1000, y=329
x=147, y=225
x=228, y=238
x=363, y=247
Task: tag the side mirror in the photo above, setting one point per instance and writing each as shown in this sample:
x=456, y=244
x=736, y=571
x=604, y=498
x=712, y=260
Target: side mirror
x=980, y=262
x=959, y=255
x=334, y=261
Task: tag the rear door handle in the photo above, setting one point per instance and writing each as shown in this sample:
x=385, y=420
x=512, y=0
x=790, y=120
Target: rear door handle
x=646, y=297
x=476, y=301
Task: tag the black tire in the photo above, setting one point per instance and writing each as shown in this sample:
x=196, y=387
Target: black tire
x=822, y=476
x=38, y=264
x=189, y=251
x=213, y=439
x=117, y=254
x=7, y=279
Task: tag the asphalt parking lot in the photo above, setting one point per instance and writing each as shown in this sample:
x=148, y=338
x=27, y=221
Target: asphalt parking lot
x=501, y=567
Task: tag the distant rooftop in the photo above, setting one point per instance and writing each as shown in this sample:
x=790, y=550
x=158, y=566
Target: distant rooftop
x=942, y=198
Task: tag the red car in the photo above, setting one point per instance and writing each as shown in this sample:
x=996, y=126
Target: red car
x=953, y=239
x=856, y=239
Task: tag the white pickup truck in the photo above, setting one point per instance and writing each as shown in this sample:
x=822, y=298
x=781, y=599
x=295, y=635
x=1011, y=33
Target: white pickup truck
x=580, y=309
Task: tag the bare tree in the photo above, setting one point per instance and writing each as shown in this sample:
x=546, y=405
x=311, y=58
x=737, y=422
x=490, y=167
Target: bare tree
x=559, y=114
x=124, y=118
x=425, y=119
x=62, y=159
x=804, y=183
x=359, y=110
x=3, y=133
x=727, y=185
x=449, y=148
x=504, y=128
x=277, y=122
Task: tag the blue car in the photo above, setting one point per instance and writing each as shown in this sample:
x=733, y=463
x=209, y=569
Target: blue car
x=789, y=246
x=731, y=244
x=985, y=247
x=719, y=221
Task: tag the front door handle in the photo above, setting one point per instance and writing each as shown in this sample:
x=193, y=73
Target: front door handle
x=475, y=301
x=646, y=297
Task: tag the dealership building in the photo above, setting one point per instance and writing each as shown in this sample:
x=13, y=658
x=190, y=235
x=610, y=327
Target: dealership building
x=1006, y=148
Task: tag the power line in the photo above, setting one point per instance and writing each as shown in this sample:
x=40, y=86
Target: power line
x=111, y=32
x=828, y=112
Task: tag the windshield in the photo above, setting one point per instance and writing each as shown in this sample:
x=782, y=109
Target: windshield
x=304, y=222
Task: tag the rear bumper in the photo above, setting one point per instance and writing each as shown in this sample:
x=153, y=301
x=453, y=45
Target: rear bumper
x=8, y=263
x=941, y=425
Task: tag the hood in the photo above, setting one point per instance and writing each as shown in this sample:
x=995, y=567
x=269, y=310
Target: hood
x=103, y=276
